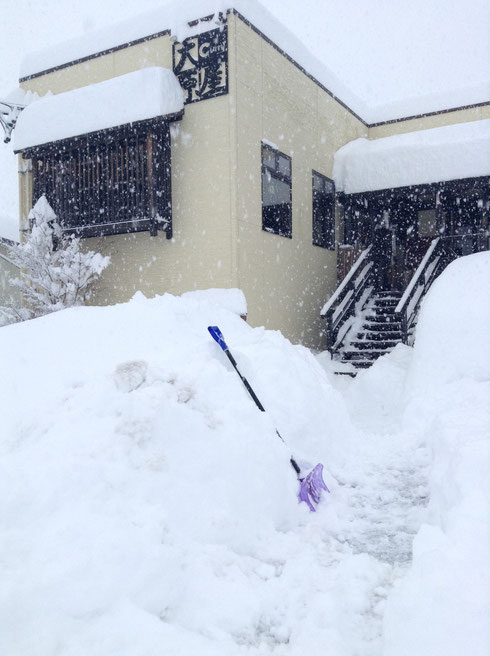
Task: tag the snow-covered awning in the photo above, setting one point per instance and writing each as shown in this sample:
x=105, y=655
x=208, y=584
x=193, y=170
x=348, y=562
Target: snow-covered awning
x=138, y=96
x=451, y=152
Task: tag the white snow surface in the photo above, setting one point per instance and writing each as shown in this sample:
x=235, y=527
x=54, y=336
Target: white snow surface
x=147, y=505
x=442, y=606
x=446, y=153
x=20, y=96
x=136, y=96
x=230, y=299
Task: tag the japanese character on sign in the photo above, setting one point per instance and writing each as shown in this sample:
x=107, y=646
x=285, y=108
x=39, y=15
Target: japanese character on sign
x=201, y=65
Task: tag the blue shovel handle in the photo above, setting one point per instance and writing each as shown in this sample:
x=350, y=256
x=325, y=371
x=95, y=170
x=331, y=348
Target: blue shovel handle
x=217, y=335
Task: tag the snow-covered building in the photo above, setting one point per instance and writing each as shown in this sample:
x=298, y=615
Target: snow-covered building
x=226, y=155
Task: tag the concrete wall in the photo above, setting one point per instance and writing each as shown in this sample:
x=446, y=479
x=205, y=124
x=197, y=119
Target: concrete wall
x=286, y=281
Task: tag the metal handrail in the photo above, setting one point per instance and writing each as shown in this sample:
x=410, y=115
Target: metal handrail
x=341, y=306
x=410, y=290
x=439, y=254
x=353, y=270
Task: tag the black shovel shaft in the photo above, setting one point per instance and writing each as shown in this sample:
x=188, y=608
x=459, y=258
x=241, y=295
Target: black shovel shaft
x=259, y=405
x=245, y=382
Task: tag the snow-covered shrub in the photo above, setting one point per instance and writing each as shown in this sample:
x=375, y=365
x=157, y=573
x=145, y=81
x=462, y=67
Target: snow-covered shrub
x=54, y=272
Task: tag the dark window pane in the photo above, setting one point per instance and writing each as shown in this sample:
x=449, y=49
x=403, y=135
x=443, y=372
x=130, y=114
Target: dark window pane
x=318, y=183
x=323, y=212
x=277, y=219
x=268, y=157
x=427, y=223
x=284, y=165
x=276, y=193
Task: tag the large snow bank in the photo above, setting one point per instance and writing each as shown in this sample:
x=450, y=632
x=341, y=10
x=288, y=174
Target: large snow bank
x=447, y=153
x=146, y=503
x=441, y=608
x=454, y=326
x=136, y=96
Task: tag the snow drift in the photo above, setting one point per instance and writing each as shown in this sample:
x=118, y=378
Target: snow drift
x=146, y=502
x=146, y=505
x=442, y=606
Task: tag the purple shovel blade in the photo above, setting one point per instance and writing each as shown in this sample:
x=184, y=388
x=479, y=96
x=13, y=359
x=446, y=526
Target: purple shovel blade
x=312, y=486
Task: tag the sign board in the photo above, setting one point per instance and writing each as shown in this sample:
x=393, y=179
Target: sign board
x=201, y=65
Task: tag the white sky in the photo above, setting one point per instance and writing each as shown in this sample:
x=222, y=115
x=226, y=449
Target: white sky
x=389, y=52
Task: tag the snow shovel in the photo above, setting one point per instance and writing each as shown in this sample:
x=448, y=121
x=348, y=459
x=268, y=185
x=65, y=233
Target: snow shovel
x=311, y=485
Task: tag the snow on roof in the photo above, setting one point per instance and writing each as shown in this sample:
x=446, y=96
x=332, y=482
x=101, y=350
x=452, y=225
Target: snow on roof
x=20, y=96
x=136, y=96
x=385, y=60
x=174, y=17
x=447, y=153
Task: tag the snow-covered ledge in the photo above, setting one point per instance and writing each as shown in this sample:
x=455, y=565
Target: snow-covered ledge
x=148, y=93
x=451, y=152
x=11, y=106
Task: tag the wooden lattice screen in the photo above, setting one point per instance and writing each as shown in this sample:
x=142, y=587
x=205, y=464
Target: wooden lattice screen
x=109, y=182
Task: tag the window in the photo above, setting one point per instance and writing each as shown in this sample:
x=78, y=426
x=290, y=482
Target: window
x=110, y=182
x=276, y=192
x=323, y=211
x=427, y=223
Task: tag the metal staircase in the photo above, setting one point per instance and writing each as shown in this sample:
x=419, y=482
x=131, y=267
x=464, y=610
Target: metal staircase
x=361, y=323
x=377, y=332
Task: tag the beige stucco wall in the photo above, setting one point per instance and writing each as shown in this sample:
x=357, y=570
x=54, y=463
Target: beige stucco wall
x=8, y=272
x=157, y=52
x=25, y=191
x=434, y=121
x=286, y=281
x=199, y=255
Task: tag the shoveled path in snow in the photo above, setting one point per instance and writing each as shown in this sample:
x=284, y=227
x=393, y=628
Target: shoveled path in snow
x=384, y=511
x=382, y=492
x=324, y=584
x=379, y=509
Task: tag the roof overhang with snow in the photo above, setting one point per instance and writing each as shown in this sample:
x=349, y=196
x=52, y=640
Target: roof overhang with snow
x=452, y=152
x=387, y=90
x=149, y=93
